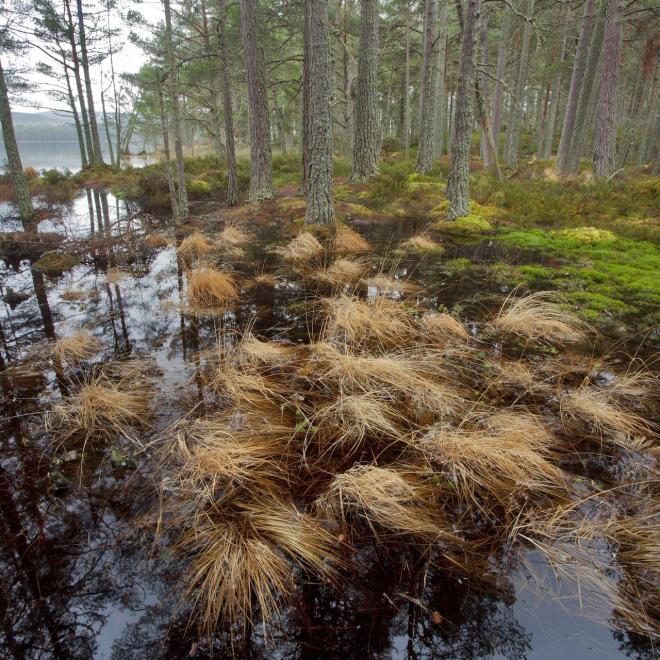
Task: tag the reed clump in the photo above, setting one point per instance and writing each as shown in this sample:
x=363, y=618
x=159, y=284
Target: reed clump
x=421, y=243
x=76, y=348
x=208, y=287
x=342, y=271
x=348, y=241
x=302, y=249
x=443, y=327
x=232, y=236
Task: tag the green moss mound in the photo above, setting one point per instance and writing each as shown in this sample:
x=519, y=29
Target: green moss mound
x=469, y=225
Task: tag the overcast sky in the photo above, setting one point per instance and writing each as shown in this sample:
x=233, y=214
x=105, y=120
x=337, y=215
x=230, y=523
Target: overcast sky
x=128, y=60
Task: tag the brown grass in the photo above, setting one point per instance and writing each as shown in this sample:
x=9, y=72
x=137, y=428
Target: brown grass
x=342, y=271
x=387, y=285
x=73, y=295
x=537, y=316
x=115, y=275
x=396, y=499
x=208, y=287
x=253, y=351
x=265, y=279
x=420, y=243
x=379, y=322
x=232, y=236
x=348, y=241
x=156, y=241
x=77, y=347
x=598, y=408
x=194, y=247
x=304, y=248
x=510, y=457
x=442, y=327
x=102, y=408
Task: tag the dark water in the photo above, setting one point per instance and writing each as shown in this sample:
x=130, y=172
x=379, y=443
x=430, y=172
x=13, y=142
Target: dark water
x=81, y=575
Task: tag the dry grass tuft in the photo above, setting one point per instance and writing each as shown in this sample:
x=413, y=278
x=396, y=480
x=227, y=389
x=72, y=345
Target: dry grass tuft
x=537, y=316
x=243, y=555
x=342, y=271
x=193, y=247
x=509, y=458
x=102, y=408
x=348, y=241
x=420, y=243
x=208, y=287
x=115, y=275
x=443, y=327
x=352, y=420
x=73, y=295
x=379, y=322
x=397, y=499
x=305, y=247
x=156, y=241
x=231, y=237
x=599, y=408
x=253, y=351
x=265, y=280
x=79, y=346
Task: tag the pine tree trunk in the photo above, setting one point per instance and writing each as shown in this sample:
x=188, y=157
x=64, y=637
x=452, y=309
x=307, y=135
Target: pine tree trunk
x=107, y=129
x=366, y=135
x=97, y=154
x=482, y=99
x=318, y=149
x=555, y=93
x=585, y=101
x=577, y=78
x=168, y=157
x=173, y=83
x=406, y=90
x=458, y=184
x=440, y=119
x=500, y=72
x=605, y=131
x=516, y=114
x=261, y=159
x=427, y=91
x=18, y=178
x=74, y=112
x=225, y=84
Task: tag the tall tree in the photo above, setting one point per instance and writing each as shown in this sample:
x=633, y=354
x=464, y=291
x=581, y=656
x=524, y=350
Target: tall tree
x=173, y=84
x=261, y=159
x=440, y=119
x=517, y=104
x=579, y=66
x=458, y=183
x=366, y=134
x=18, y=178
x=96, y=156
x=498, y=96
x=318, y=93
x=427, y=91
x=605, y=136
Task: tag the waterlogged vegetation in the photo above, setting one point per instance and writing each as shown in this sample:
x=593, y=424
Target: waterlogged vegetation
x=245, y=436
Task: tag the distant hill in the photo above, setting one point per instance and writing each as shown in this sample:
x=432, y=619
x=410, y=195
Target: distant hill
x=43, y=127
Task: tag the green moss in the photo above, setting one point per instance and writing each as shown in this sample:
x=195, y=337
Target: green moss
x=198, y=188
x=55, y=263
x=468, y=225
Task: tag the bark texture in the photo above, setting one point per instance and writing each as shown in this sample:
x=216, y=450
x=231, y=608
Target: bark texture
x=440, y=119
x=427, y=91
x=516, y=114
x=500, y=72
x=366, y=135
x=605, y=135
x=318, y=150
x=261, y=159
x=225, y=85
x=18, y=178
x=577, y=77
x=458, y=184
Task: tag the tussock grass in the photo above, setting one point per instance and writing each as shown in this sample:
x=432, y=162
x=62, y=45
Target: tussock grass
x=443, y=327
x=538, y=317
x=598, y=408
x=352, y=420
x=342, y=271
x=231, y=237
x=73, y=295
x=253, y=351
x=304, y=248
x=103, y=408
x=116, y=275
x=265, y=280
x=194, y=247
x=512, y=456
x=156, y=241
x=387, y=285
x=399, y=500
x=77, y=347
x=245, y=555
x=420, y=243
x=358, y=322
x=208, y=287
x=348, y=241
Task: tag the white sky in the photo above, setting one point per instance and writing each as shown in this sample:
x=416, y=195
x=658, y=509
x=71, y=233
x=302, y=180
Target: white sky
x=128, y=60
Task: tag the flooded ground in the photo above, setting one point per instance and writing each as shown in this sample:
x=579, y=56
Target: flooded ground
x=81, y=573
